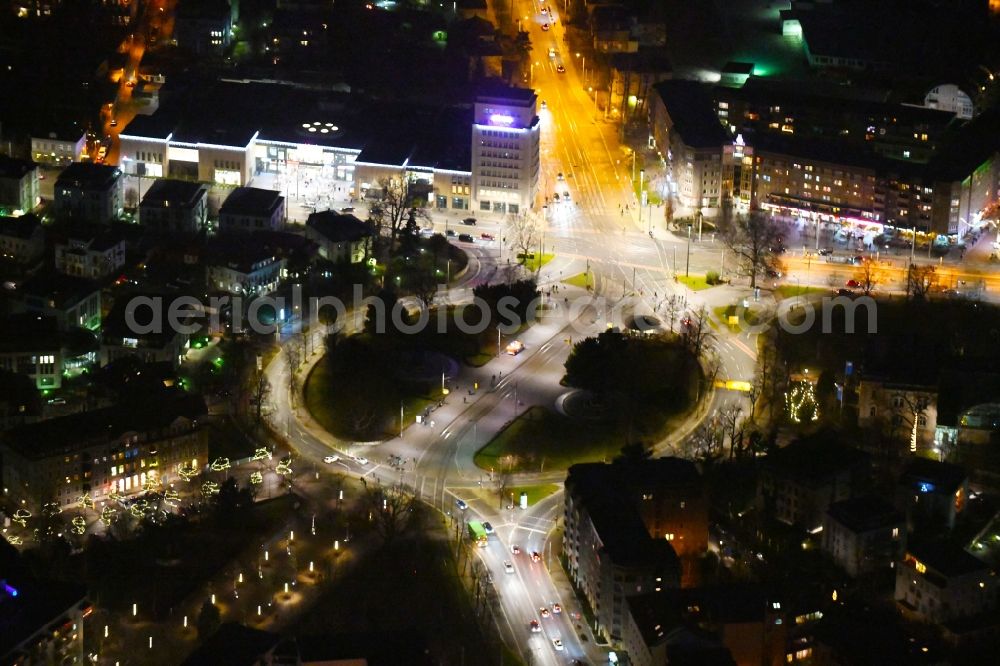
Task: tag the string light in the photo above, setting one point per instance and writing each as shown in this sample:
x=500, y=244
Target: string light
x=801, y=403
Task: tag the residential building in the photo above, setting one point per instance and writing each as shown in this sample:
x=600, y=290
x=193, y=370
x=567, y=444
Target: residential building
x=18, y=185
x=125, y=449
x=799, y=482
x=943, y=583
x=147, y=334
x=204, y=27
x=625, y=526
x=690, y=139
x=22, y=239
x=505, y=150
x=909, y=410
x=31, y=345
x=864, y=534
x=741, y=621
x=341, y=237
x=43, y=620
x=91, y=255
x=246, y=269
x=633, y=76
x=59, y=147
x=932, y=493
x=73, y=301
x=174, y=206
x=89, y=192
x=250, y=209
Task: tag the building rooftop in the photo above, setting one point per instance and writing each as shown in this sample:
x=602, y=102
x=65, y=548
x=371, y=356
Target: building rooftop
x=29, y=331
x=689, y=105
x=251, y=201
x=22, y=227
x=14, y=168
x=946, y=558
x=658, y=614
x=815, y=460
x=204, y=9
x=58, y=290
x=232, y=113
x=37, y=603
x=338, y=227
x=863, y=514
x=493, y=90
x=608, y=494
x=88, y=176
x=932, y=476
x=76, y=431
x=166, y=192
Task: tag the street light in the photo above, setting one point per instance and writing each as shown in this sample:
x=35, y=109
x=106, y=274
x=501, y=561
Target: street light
x=583, y=58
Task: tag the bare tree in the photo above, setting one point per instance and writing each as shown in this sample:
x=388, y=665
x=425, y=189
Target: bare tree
x=673, y=306
x=396, y=206
x=698, y=332
x=731, y=419
x=392, y=510
x=293, y=356
x=919, y=281
x=522, y=233
x=260, y=390
x=869, y=275
x=705, y=442
x=753, y=239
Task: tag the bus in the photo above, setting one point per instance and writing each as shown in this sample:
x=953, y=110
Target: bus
x=478, y=533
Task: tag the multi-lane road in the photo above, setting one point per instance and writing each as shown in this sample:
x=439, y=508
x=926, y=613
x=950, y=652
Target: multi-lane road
x=580, y=155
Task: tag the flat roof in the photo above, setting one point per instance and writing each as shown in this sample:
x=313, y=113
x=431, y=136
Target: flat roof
x=946, y=558
x=932, y=476
x=690, y=107
x=251, y=201
x=232, y=113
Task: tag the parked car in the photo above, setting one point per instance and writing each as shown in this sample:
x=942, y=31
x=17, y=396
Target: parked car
x=449, y=232
x=471, y=221
x=331, y=459
x=487, y=237
x=466, y=238
x=825, y=252
x=852, y=284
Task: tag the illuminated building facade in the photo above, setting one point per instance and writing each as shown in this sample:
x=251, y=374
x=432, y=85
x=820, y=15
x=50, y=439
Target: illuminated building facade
x=120, y=449
x=943, y=583
x=505, y=150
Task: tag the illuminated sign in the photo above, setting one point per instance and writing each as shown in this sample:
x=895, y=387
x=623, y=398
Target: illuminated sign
x=926, y=487
x=501, y=119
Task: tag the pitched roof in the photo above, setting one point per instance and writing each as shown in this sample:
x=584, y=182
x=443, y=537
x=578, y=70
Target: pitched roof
x=863, y=514
x=251, y=201
x=169, y=192
x=69, y=433
x=15, y=168
x=88, y=176
x=58, y=289
x=338, y=227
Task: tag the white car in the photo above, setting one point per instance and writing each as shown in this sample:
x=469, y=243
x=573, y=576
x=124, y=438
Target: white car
x=557, y=643
x=331, y=459
x=508, y=567
x=361, y=460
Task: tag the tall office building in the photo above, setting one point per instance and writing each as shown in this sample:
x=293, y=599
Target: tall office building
x=505, y=150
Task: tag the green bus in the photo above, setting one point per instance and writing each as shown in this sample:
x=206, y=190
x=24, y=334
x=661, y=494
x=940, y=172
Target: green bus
x=477, y=533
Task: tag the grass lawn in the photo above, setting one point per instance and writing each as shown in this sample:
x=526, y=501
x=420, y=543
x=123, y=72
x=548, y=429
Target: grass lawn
x=480, y=359
x=535, y=263
x=411, y=585
x=749, y=315
x=792, y=291
x=695, y=282
x=535, y=493
x=582, y=280
x=540, y=439
x=228, y=441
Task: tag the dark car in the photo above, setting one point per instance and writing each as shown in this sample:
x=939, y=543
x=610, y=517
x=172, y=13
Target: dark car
x=825, y=252
x=844, y=292
x=466, y=238
x=469, y=221
x=771, y=273
x=449, y=232
x=560, y=69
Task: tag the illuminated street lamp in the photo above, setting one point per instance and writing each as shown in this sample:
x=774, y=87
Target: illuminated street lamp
x=583, y=59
